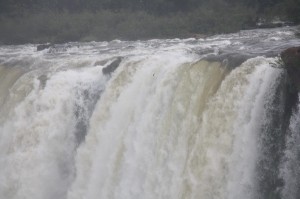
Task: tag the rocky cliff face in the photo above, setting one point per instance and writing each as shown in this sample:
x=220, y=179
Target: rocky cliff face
x=291, y=59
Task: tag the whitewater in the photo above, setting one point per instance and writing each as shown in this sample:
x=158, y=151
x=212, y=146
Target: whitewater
x=207, y=118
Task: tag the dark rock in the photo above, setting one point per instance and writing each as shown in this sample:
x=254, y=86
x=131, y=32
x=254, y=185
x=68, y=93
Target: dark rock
x=112, y=66
x=230, y=60
x=291, y=60
x=43, y=46
x=58, y=48
x=291, y=57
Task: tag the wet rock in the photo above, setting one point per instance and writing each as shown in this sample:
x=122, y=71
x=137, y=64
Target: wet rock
x=58, y=48
x=291, y=57
x=43, y=46
x=230, y=60
x=291, y=60
x=112, y=66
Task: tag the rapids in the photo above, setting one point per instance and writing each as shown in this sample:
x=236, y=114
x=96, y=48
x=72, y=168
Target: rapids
x=158, y=119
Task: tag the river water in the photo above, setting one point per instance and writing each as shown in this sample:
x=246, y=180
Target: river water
x=191, y=118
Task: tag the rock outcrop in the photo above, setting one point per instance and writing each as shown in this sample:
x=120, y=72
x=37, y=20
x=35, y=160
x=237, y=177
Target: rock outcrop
x=43, y=46
x=112, y=66
x=291, y=60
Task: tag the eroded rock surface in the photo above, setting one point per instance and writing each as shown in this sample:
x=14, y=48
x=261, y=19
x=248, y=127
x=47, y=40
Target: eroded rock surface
x=291, y=60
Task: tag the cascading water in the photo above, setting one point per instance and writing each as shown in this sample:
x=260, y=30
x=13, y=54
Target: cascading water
x=177, y=119
x=290, y=170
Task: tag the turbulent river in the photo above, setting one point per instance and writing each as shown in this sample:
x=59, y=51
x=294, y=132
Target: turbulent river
x=159, y=119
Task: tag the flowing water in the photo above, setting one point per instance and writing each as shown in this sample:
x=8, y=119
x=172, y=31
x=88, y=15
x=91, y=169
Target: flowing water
x=159, y=119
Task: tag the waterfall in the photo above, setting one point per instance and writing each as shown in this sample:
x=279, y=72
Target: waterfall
x=169, y=122
x=38, y=136
x=290, y=165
